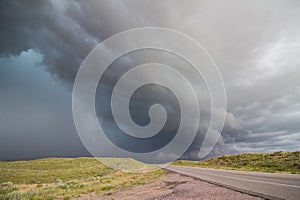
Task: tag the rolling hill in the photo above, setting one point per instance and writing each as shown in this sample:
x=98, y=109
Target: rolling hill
x=286, y=162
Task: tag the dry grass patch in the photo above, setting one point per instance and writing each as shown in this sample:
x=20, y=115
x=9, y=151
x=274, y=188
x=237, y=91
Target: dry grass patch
x=65, y=178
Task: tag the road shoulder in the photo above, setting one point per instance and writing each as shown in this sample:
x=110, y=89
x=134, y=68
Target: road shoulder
x=175, y=186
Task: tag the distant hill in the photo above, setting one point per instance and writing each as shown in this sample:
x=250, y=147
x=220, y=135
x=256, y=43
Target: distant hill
x=286, y=162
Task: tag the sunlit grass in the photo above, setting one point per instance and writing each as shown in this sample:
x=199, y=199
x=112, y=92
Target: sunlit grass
x=64, y=178
x=286, y=162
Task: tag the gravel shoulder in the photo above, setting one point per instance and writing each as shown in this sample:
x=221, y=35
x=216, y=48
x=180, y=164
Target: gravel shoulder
x=176, y=187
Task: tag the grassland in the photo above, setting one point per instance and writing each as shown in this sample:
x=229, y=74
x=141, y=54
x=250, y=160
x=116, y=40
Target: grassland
x=65, y=178
x=285, y=162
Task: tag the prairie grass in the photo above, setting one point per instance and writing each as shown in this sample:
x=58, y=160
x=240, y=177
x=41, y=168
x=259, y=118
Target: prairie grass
x=65, y=178
x=285, y=162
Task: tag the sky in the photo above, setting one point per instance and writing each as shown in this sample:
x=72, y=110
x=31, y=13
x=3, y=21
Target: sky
x=255, y=44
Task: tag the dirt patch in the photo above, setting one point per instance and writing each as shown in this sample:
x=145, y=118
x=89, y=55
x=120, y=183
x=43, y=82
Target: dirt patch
x=176, y=187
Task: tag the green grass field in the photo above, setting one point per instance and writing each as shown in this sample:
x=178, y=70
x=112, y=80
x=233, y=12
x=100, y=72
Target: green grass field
x=64, y=178
x=286, y=162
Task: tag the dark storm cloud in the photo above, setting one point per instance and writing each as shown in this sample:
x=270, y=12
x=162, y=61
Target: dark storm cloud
x=255, y=44
x=35, y=112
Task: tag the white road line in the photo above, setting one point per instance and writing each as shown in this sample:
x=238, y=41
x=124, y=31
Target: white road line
x=281, y=184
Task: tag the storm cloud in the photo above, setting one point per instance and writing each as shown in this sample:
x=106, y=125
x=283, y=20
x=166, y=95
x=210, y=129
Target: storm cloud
x=255, y=44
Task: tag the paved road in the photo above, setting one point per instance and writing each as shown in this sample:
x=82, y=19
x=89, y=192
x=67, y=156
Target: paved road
x=268, y=185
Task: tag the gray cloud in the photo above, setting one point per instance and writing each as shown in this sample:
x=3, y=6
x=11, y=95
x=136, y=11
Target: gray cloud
x=35, y=112
x=255, y=45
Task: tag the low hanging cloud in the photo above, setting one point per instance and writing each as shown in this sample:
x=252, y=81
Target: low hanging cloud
x=255, y=44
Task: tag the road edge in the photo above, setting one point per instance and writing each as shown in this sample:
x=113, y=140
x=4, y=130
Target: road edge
x=228, y=186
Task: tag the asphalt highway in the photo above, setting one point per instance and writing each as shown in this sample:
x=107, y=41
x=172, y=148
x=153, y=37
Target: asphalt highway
x=267, y=185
